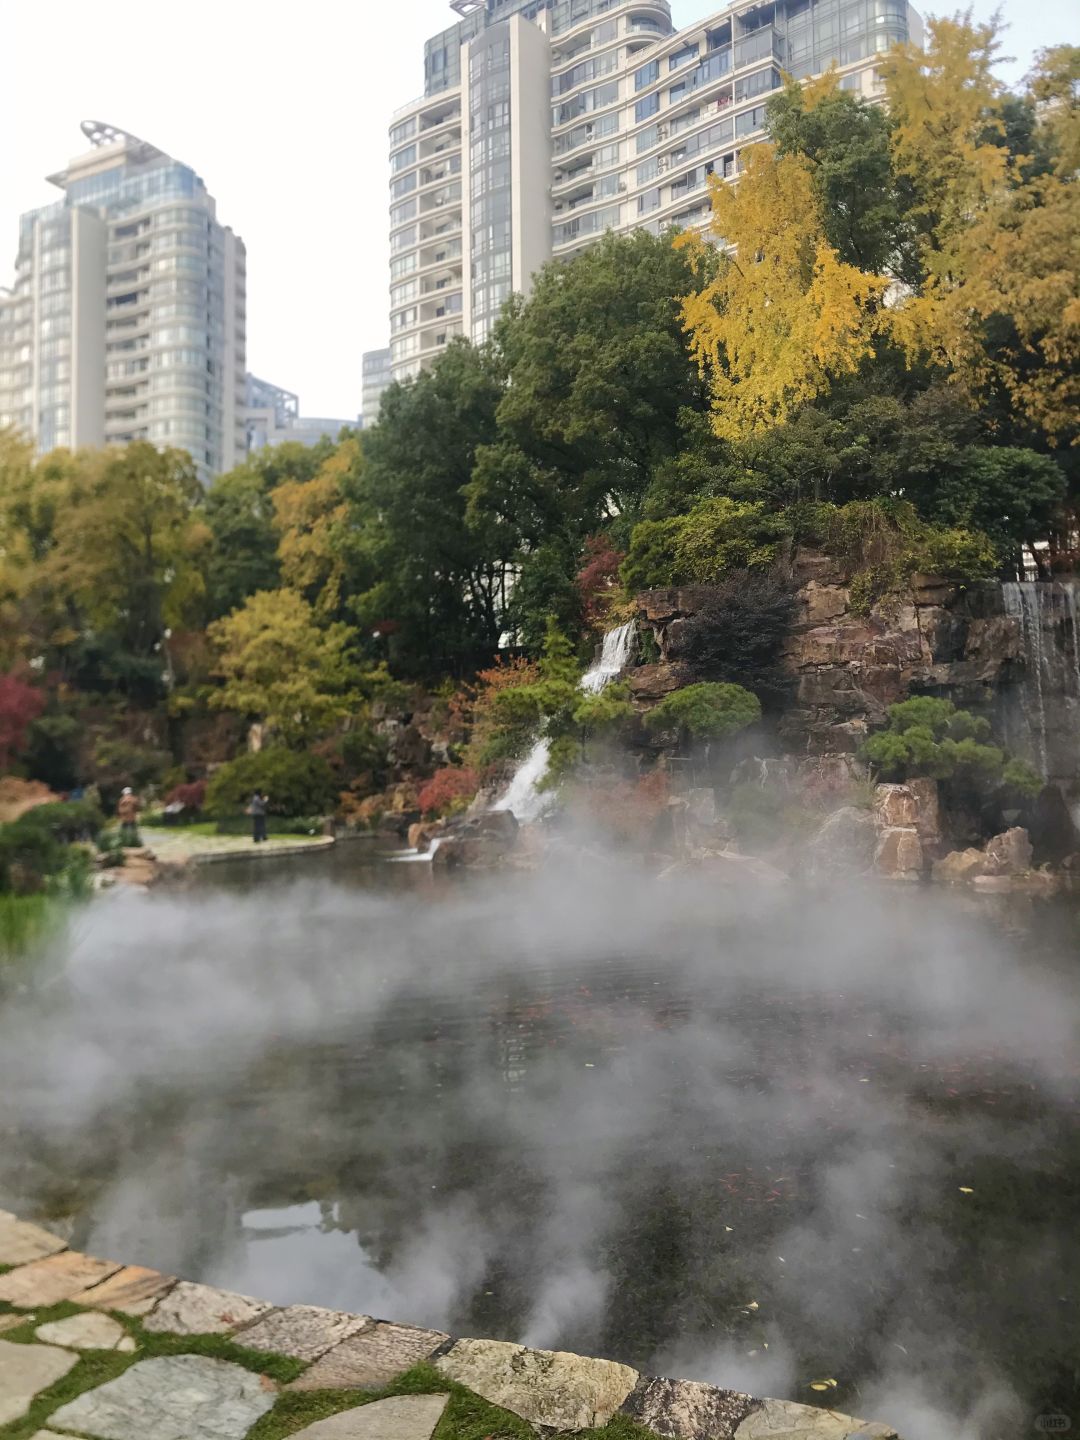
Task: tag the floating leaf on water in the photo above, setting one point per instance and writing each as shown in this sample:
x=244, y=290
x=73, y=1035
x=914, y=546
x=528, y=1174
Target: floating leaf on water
x=753, y=1305
x=818, y=1385
x=966, y=1190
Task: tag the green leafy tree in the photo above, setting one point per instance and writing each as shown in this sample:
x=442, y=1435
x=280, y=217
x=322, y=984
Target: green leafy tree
x=436, y=582
x=864, y=203
x=243, y=549
x=275, y=662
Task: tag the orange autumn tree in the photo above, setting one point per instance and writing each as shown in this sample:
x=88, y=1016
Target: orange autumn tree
x=784, y=315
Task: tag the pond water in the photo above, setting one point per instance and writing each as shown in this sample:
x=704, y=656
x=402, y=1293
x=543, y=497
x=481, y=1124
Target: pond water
x=758, y=1139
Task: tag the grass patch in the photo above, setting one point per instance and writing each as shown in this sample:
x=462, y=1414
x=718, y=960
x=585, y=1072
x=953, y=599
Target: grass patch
x=24, y=1334
x=282, y=1368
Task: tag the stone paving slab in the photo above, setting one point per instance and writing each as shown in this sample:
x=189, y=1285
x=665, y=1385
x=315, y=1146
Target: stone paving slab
x=179, y=1397
x=59, y=1277
x=687, y=1410
x=86, y=1332
x=784, y=1420
x=372, y=1358
x=48, y=1435
x=26, y=1370
x=12, y=1322
x=201, y=1310
x=21, y=1242
x=303, y=1331
x=402, y=1417
x=133, y=1290
x=545, y=1387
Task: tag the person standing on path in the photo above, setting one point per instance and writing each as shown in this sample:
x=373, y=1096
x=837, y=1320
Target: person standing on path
x=127, y=812
x=257, y=810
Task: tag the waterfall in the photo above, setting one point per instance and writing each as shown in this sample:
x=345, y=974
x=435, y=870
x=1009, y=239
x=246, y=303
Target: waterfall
x=1024, y=602
x=1048, y=613
x=523, y=795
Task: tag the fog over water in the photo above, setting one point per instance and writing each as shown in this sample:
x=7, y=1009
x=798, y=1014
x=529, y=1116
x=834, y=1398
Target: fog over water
x=712, y=1133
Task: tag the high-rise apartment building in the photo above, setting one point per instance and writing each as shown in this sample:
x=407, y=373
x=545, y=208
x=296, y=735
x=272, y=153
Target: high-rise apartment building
x=377, y=378
x=127, y=317
x=545, y=123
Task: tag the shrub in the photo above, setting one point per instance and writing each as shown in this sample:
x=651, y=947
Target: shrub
x=720, y=535
x=738, y=633
x=191, y=794
x=651, y=563
x=37, y=850
x=929, y=736
x=20, y=706
x=447, y=788
x=707, y=711
x=296, y=783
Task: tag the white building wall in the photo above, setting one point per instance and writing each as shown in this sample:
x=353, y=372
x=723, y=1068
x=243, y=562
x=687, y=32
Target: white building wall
x=635, y=118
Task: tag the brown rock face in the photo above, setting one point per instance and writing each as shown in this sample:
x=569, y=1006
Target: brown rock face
x=959, y=867
x=899, y=854
x=1009, y=853
x=825, y=602
x=895, y=805
x=653, y=682
x=844, y=845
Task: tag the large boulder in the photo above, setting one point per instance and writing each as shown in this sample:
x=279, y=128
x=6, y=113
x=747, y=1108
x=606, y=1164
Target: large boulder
x=894, y=805
x=653, y=682
x=843, y=845
x=476, y=842
x=959, y=867
x=899, y=853
x=1009, y=853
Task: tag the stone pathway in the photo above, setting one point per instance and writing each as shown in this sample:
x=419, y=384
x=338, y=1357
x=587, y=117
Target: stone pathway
x=314, y=1359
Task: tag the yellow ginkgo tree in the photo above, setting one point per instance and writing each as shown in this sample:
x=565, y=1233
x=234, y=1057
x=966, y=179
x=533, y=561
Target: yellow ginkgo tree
x=784, y=315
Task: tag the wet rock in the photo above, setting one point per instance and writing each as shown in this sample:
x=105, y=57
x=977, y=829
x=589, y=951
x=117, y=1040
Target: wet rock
x=544, y=1387
x=729, y=867
x=401, y=1417
x=58, y=1277
x=932, y=590
x=371, y=1358
x=1009, y=853
x=26, y=1370
x=303, y=1331
x=660, y=607
x=844, y=844
x=84, y=1332
x=201, y=1310
x=927, y=811
x=899, y=853
x=960, y=867
x=180, y=1397
x=687, y=1410
x=133, y=1290
x=476, y=841
x=423, y=832
x=784, y=1420
x=20, y=1243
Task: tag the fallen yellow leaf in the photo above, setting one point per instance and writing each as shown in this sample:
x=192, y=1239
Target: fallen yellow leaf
x=966, y=1190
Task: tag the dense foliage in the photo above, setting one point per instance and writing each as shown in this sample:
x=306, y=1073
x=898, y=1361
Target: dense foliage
x=929, y=736
x=881, y=360
x=293, y=782
x=707, y=711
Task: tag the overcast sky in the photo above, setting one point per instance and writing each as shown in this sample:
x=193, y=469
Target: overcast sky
x=283, y=110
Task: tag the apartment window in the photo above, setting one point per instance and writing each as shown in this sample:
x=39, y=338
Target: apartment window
x=683, y=56
x=750, y=120
x=399, y=214
x=403, y=159
x=403, y=319
x=403, y=186
x=648, y=138
x=403, y=239
x=647, y=75
x=757, y=84
x=649, y=201
x=648, y=171
x=403, y=131
x=403, y=265
x=644, y=108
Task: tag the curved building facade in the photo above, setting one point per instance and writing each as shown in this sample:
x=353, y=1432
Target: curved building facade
x=557, y=120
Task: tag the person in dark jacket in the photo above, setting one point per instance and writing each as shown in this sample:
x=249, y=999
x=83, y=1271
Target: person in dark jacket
x=257, y=811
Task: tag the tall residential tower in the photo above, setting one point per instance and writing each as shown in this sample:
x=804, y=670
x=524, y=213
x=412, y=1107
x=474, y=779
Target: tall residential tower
x=546, y=122
x=127, y=317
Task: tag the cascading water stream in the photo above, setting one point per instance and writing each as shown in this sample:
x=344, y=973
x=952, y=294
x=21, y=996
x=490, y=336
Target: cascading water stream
x=523, y=795
x=1048, y=613
x=1024, y=602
